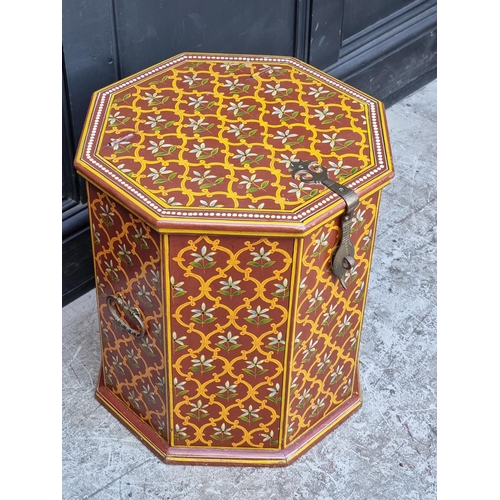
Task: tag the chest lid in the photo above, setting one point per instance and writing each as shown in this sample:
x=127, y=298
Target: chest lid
x=209, y=139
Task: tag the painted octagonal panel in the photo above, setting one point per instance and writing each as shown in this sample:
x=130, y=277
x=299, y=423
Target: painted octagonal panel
x=211, y=137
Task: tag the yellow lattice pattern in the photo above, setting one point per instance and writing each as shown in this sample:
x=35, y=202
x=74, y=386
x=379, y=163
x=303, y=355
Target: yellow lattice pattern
x=207, y=136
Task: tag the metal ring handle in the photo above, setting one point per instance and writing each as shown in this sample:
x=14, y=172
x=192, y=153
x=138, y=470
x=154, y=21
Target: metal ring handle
x=131, y=312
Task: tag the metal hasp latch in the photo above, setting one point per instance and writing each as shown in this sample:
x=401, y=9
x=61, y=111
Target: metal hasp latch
x=343, y=258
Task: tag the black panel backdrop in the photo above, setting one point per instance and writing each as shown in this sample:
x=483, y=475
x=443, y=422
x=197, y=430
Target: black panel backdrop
x=386, y=48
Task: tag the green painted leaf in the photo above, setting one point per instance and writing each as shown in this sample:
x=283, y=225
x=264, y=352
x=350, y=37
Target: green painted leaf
x=210, y=264
x=252, y=190
x=159, y=181
x=196, y=264
x=268, y=264
x=126, y=96
x=172, y=175
x=204, y=81
x=251, y=108
x=208, y=368
x=348, y=143
x=251, y=320
x=218, y=181
x=179, y=294
x=214, y=151
x=252, y=132
x=274, y=400
x=327, y=121
x=264, y=184
x=250, y=372
x=259, y=158
x=165, y=99
x=246, y=87
x=253, y=263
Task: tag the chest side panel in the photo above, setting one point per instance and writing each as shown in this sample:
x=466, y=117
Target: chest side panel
x=229, y=310
x=329, y=320
x=127, y=256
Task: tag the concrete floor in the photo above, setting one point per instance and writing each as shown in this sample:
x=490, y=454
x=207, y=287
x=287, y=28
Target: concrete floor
x=385, y=451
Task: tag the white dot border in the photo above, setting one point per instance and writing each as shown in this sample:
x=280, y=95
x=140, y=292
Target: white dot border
x=103, y=98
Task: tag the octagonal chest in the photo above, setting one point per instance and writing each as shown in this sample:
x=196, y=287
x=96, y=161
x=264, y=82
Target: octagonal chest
x=233, y=203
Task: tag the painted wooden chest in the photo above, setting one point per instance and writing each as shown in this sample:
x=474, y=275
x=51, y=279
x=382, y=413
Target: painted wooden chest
x=233, y=204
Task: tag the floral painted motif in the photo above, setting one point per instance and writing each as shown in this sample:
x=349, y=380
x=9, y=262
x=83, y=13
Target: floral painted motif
x=328, y=324
x=127, y=262
x=231, y=352
x=211, y=127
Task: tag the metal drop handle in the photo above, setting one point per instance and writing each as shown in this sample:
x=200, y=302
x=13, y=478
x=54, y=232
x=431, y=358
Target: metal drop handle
x=343, y=258
x=130, y=312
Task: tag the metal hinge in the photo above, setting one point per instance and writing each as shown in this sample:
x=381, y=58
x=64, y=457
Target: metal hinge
x=343, y=257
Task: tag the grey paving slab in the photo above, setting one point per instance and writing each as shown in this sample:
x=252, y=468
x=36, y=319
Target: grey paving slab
x=385, y=451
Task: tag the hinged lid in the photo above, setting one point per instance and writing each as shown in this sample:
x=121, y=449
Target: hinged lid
x=207, y=139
